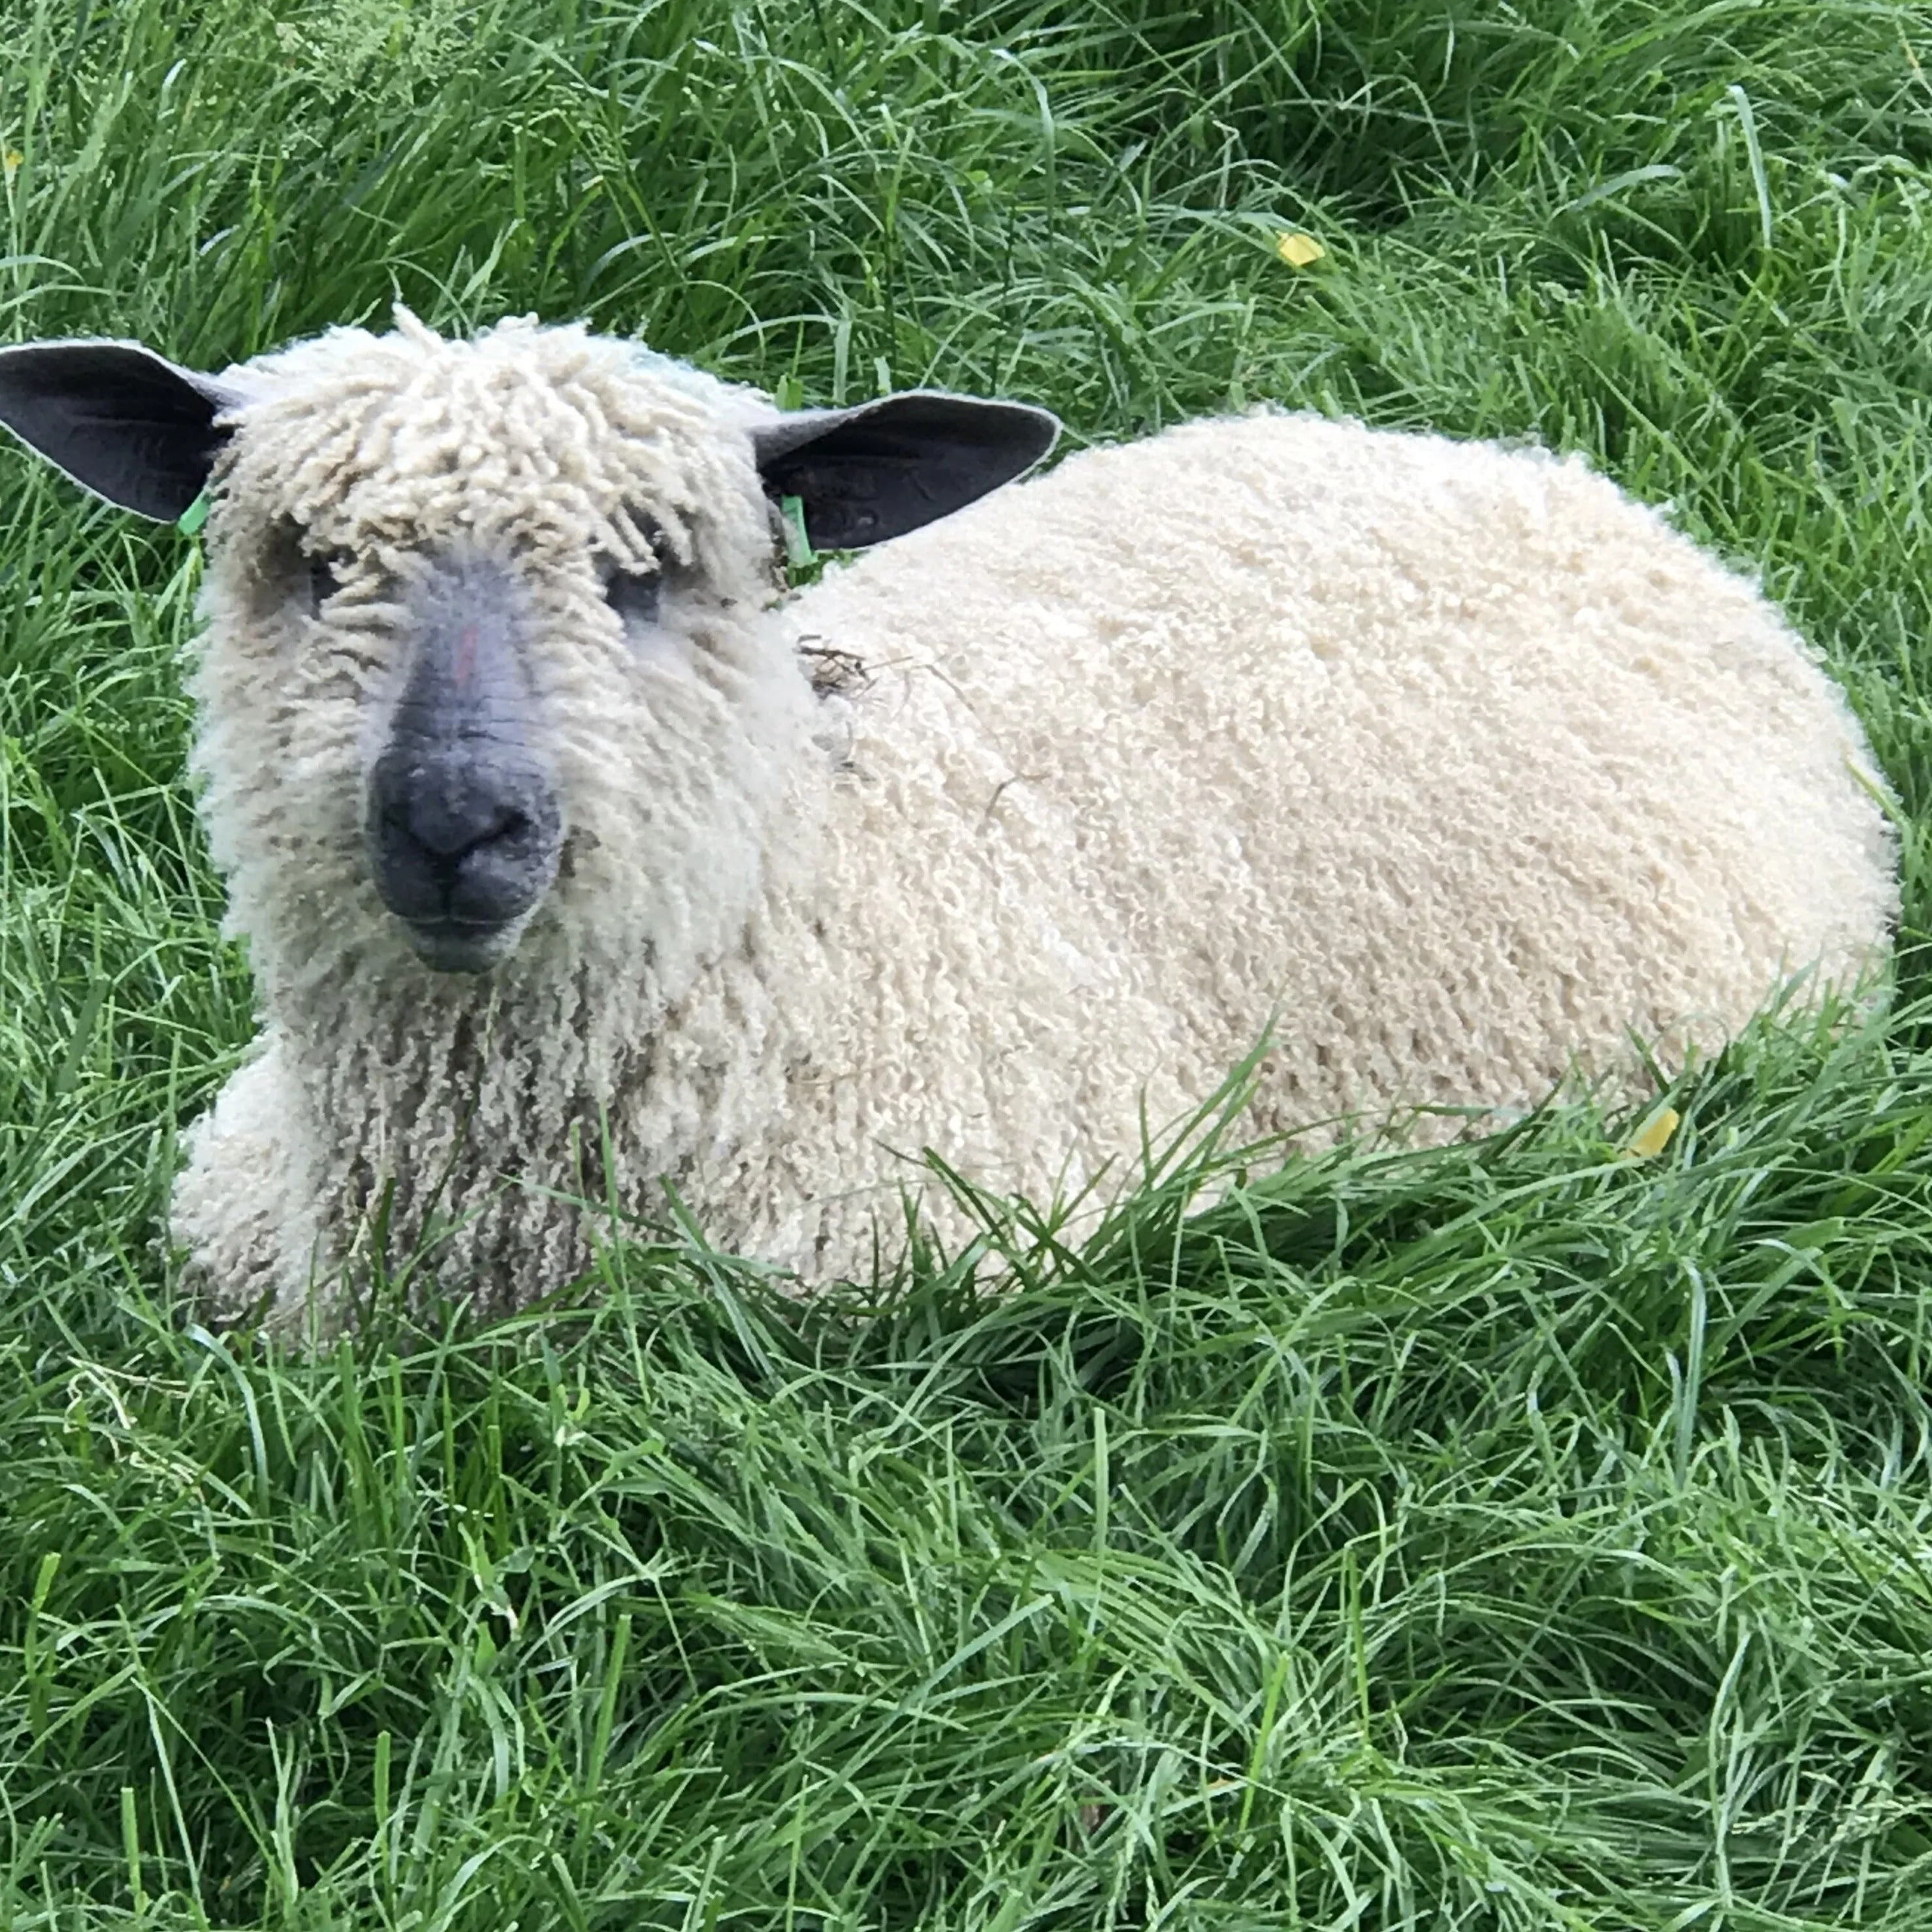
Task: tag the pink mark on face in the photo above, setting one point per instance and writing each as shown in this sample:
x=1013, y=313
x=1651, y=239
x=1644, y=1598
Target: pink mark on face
x=465, y=656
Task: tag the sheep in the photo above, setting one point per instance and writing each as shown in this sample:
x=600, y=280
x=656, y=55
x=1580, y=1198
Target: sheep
x=1443, y=772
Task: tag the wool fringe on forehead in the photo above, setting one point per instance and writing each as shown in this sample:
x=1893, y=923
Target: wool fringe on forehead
x=554, y=435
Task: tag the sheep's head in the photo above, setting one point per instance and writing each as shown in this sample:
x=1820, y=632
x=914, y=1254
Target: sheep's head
x=477, y=647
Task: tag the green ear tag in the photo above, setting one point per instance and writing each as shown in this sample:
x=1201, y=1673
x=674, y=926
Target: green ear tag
x=192, y=518
x=798, y=546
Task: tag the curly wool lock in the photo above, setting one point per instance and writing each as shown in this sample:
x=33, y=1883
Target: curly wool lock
x=1448, y=765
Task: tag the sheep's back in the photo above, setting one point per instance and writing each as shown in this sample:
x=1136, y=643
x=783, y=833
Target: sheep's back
x=1451, y=761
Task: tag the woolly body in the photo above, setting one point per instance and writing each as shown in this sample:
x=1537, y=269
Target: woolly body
x=1446, y=766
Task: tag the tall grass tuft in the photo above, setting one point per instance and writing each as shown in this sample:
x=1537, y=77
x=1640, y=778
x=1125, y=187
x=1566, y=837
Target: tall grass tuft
x=1530, y=1535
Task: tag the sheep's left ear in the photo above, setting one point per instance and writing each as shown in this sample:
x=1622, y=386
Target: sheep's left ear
x=866, y=474
x=120, y=420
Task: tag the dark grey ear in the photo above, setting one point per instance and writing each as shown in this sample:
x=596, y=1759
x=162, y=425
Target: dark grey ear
x=120, y=420
x=866, y=474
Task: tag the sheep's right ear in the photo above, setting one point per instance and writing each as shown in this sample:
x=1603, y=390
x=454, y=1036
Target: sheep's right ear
x=120, y=420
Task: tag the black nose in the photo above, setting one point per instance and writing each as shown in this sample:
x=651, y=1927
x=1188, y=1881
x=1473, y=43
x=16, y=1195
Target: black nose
x=461, y=819
x=467, y=835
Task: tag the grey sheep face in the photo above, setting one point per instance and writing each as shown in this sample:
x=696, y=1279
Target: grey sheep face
x=480, y=651
x=462, y=821
x=460, y=797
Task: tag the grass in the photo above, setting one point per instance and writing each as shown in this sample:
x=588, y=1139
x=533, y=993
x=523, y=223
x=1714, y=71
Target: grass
x=1519, y=1536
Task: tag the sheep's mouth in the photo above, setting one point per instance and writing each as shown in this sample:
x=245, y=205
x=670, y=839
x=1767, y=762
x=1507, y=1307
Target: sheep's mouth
x=462, y=945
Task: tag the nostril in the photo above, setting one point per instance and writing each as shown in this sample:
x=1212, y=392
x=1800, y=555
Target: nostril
x=504, y=828
x=450, y=844
x=447, y=825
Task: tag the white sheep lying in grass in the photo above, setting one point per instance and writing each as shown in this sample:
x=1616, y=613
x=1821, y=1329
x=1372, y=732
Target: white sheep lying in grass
x=1446, y=764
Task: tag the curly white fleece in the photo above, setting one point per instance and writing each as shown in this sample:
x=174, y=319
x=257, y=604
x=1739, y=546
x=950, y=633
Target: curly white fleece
x=1447, y=763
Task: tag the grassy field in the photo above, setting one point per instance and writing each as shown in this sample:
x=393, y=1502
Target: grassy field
x=1516, y=1537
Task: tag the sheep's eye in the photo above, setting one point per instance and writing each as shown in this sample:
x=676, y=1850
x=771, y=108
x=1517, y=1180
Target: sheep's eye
x=633, y=594
x=324, y=577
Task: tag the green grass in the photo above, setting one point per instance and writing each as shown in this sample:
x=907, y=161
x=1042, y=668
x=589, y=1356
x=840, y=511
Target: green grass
x=1518, y=1537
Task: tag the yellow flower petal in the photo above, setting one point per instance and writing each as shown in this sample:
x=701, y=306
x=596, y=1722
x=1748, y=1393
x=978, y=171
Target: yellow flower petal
x=11, y=159
x=1298, y=251
x=1653, y=1136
